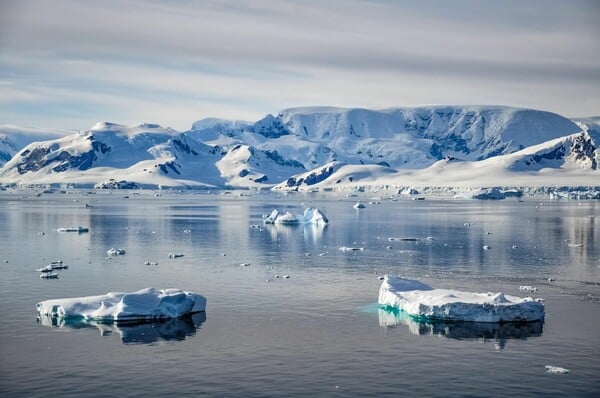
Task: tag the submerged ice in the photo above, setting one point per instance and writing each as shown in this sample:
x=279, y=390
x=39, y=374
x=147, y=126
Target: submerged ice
x=421, y=301
x=145, y=304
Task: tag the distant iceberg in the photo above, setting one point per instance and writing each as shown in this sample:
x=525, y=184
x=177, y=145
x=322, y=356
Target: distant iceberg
x=421, y=301
x=145, y=304
x=310, y=216
x=79, y=229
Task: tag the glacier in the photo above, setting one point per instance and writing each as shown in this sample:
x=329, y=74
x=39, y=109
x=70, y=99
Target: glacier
x=421, y=301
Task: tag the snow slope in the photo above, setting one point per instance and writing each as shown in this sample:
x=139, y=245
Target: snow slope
x=572, y=160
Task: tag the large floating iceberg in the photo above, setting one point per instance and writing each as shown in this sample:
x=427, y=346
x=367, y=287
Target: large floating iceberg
x=310, y=216
x=145, y=304
x=421, y=301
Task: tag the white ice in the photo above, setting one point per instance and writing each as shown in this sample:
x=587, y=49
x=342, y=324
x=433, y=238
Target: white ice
x=422, y=301
x=556, y=369
x=145, y=304
x=310, y=216
x=115, y=252
x=73, y=229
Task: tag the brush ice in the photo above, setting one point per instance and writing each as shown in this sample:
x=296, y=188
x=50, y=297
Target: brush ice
x=422, y=301
x=310, y=216
x=145, y=304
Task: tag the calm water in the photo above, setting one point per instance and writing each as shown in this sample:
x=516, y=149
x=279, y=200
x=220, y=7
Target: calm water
x=318, y=333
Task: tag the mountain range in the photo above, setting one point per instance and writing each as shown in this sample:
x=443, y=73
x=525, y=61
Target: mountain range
x=316, y=148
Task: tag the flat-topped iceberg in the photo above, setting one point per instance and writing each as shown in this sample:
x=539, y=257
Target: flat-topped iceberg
x=310, y=216
x=421, y=301
x=145, y=304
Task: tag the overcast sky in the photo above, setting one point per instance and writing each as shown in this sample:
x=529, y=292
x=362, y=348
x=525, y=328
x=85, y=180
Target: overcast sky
x=68, y=64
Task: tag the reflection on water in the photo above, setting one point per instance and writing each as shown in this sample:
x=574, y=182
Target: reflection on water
x=497, y=332
x=311, y=232
x=176, y=329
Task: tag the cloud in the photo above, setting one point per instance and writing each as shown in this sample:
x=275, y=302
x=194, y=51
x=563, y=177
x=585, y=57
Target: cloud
x=174, y=62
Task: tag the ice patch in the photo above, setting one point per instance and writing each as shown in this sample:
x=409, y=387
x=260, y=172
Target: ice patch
x=49, y=275
x=115, y=252
x=175, y=255
x=310, y=216
x=556, y=369
x=351, y=249
x=422, y=301
x=527, y=288
x=145, y=304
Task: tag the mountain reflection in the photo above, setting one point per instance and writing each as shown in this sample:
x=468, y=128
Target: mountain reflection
x=176, y=329
x=497, y=332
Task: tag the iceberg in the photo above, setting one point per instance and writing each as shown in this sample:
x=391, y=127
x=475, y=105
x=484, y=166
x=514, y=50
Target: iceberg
x=145, y=304
x=115, y=252
x=359, y=205
x=78, y=229
x=49, y=275
x=423, y=302
x=310, y=216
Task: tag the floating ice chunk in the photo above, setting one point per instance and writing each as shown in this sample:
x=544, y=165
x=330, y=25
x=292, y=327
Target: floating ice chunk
x=244, y=264
x=310, y=216
x=486, y=247
x=49, y=275
x=175, y=255
x=421, y=301
x=286, y=277
x=47, y=268
x=151, y=263
x=79, y=229
x=359, y=205
x=351, y=249
x=115, y=252
x=59, y=266
x=527, y=288
x=56, y=262
x=556, y=369
x=404, y=239
x=551, y=279
x=145, y=304
x=575, y=245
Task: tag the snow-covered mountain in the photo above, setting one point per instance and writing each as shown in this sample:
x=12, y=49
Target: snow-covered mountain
x=115, y=156
x=572, y=160
x=399, y=137
x=14, y=138
x=307, y=148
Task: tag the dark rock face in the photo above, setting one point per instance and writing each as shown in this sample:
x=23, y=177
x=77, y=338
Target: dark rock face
x=34, y=160
x=312, y=178
x=112, y=184
x=583, y=149
x=274, y=156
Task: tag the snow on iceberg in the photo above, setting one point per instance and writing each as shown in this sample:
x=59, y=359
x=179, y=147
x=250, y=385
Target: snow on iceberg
x=310, y=216
x=145, y=304
x=421, y=301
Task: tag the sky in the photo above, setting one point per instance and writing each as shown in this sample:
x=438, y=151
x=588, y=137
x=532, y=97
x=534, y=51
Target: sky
x=68, y=64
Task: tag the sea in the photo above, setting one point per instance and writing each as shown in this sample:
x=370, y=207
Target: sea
x=288, y=313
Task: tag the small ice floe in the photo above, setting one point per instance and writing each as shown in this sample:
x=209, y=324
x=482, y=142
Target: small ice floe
x=58, y=266
x=351, y=249
x=41, y=233
x=430, y=239
x=286, y=277
x=79, y=229
x=421, y=301
x=381, y=277
x=359, y=205
x=245, y=264
x=187, y=231
x=145, y=304
x=551, y=279
x=527, y=288
x=151, y=263
x=310, y=216
x=49, y=275
x=408, y=239
x=47, y=268
x=486, y=247
x=56, y=262
x=515, y=247
x=575, y=245
x=115, y=252
x=389, y=247
x=556, y=369
x=467, y=224
x=323, y=254
x=175, y=255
